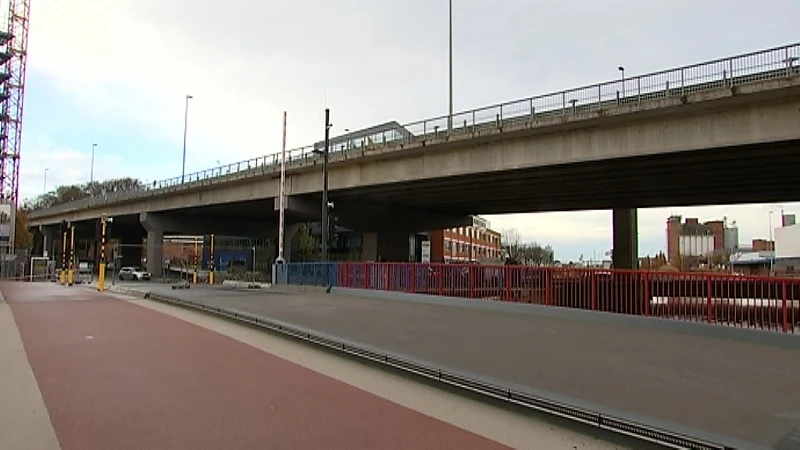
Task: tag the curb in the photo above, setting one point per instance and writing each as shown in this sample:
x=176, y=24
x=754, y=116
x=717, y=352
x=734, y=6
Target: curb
x=128, y=291
x=246, y=284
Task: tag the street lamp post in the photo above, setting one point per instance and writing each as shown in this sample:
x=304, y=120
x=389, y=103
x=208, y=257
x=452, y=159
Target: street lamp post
x=325, y=203
x=44, y=190
x=622, y=70
x=91, y=171
x=450, y=115
x=185, y=129
x=771, y=243
x=282, y=200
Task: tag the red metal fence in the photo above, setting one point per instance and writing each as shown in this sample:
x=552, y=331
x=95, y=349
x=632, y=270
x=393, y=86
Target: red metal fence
x=748, y=302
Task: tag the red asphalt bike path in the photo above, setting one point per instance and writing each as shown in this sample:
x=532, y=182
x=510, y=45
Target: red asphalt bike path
x=115, y=375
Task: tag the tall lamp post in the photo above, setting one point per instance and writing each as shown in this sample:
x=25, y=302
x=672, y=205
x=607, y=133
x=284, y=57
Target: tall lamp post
x=325, y=202
x=44, y=190
x=185, y=129
x=622, y=70
x=771, y=243
x=450, y=115
x=91, y=170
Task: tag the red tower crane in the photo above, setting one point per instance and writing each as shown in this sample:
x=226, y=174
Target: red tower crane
x=13, y=59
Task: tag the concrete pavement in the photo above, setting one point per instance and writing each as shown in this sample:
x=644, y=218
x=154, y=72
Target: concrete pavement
x=137, y=374
x=700, y=385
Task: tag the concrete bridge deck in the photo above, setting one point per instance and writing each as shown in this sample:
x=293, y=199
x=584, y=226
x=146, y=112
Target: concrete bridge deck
x=702, y=381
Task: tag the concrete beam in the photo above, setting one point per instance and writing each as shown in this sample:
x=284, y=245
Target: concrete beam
x=372, y=217
x=301, y=207
x=200, y=225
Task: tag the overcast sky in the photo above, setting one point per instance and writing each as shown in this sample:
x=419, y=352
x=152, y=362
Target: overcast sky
x=116, y=73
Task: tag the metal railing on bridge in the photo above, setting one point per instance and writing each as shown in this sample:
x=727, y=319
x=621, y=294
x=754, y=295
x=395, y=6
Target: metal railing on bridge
x=775, y=63
x=767, y=303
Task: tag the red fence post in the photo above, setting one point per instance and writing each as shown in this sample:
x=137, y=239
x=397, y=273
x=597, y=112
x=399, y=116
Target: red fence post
x=440, y=287
x=413, y=278
x=783, y=307
x=594, y=290
x=507, y=287
x=389, y=276
x=708, y=307
x=548, y=286
x=366, y=275
x=646, y=277
x=471, y=273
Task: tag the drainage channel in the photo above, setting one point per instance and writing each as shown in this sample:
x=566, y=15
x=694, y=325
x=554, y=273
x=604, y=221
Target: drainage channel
x=617, y=425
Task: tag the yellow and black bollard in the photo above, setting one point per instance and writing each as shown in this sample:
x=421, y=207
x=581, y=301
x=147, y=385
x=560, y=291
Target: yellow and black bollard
x=71, y=270
x=101, y=276
x=194, y=275
x=211, y=261
x=62, y=274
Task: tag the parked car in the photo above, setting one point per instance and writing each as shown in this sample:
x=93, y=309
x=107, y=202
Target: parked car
x=133, y=273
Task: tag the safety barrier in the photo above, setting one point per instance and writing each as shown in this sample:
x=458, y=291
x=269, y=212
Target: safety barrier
x=767, y=303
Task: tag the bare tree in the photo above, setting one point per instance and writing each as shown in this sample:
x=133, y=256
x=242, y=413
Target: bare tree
x=519, y=252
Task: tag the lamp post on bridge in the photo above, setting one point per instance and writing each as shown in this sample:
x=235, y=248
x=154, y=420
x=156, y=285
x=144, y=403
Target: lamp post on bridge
x=91, y=170
x=450, y=115
x=185, y=129
x=622, y=70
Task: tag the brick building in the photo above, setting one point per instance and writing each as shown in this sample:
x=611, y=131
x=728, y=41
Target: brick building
x=471, y=244
x=694, y=239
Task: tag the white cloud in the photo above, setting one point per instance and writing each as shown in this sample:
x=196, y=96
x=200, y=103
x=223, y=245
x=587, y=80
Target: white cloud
x=245, y=61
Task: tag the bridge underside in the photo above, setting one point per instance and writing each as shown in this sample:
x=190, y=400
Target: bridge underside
x=732, y=175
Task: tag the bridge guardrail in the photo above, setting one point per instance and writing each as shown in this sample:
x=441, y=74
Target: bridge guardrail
x=774, y=63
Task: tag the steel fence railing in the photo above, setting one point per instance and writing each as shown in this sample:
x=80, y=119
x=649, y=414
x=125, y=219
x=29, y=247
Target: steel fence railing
x=771, y=64
x=767, y=303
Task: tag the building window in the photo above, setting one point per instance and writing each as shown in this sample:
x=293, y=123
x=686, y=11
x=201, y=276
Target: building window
x=447, y=244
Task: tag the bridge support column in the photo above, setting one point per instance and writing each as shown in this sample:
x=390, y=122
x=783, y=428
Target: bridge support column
x=49, y=238
x=155, y=252
x=626, y=239
x=386, y=246
x=288, y=236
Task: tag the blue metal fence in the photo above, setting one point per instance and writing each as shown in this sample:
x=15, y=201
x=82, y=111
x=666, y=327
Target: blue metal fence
x=312, y=274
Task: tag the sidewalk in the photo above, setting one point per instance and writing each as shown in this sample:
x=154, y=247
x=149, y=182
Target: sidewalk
x=116, y=375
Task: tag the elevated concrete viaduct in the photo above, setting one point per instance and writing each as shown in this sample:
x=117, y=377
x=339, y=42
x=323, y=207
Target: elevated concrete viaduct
x=726, y=145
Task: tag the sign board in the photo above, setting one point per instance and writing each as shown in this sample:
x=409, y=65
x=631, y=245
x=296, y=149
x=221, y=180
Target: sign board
x=426, y=251
x=6, y=223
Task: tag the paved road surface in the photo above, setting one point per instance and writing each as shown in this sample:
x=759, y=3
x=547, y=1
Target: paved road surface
x=742, y=390
x=82, y=370
x=114, y=375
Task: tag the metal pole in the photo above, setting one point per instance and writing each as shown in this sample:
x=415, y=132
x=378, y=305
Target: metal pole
x=211, y=263
x=450, y=116
x=282, y=195
x=325, y=187
x=62, y=276
x=185, y=129
x=44, y=190
x=101, y=275
x=91, y=171
x=771, y=243
x=194, y=274
x=71, y=270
